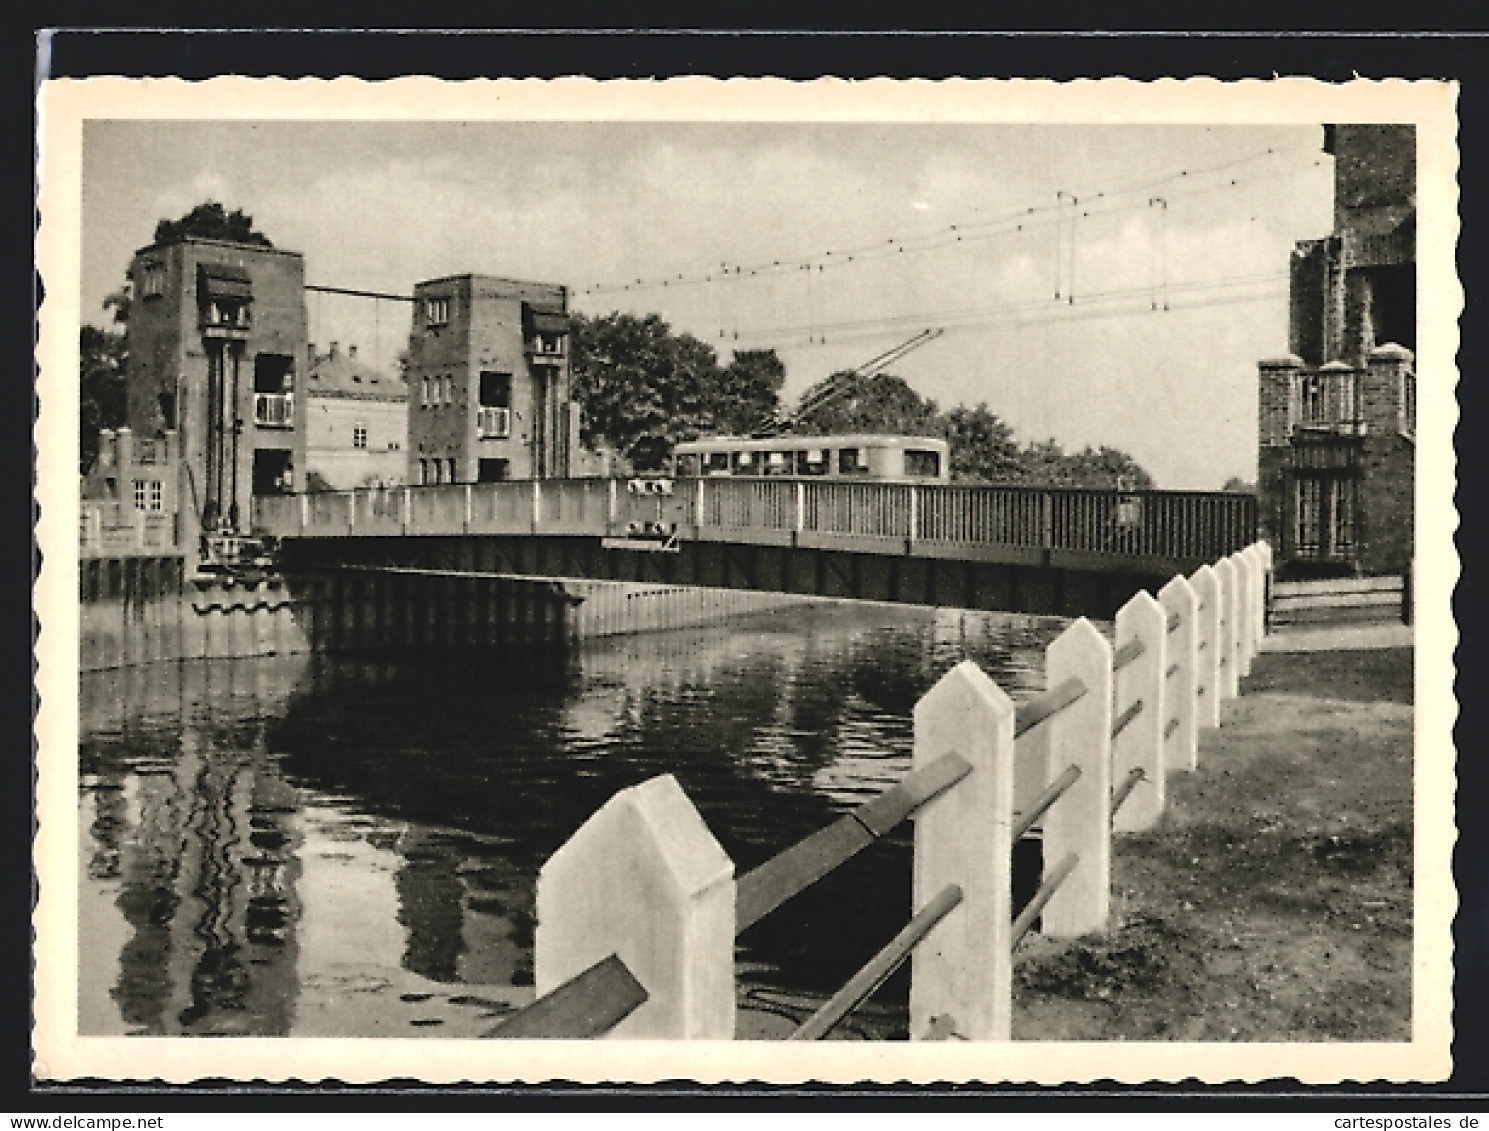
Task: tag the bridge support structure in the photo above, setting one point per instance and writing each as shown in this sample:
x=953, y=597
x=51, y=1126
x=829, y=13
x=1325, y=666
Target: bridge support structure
x=1012, y=581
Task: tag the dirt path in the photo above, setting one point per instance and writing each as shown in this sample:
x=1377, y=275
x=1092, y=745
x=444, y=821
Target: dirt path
x=1273, y=901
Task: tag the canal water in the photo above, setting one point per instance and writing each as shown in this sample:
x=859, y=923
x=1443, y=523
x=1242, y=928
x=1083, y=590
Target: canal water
x=320, y=846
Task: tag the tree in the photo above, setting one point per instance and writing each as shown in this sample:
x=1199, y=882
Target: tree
x=747, y=394
x=101, y=396
x=642, y=389
x=881, y=403
x=1238, y=486
x=983, y=447
x=210, y=220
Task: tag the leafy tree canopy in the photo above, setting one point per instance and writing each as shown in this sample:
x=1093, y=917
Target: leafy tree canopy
x=101, y=398
x=643, y=388
x=881, y=403
x=210, y=220
x=983, y=446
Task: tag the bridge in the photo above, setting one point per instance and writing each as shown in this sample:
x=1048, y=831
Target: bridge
x=1055, y=551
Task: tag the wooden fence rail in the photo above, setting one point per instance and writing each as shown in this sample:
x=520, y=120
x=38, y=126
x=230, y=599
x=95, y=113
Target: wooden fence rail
x=639, y=910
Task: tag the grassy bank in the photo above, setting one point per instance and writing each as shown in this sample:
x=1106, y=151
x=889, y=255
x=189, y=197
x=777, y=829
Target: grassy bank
x=1273, y=901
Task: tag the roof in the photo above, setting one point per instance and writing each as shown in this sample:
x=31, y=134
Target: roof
x=203, y=241
x=342, y=375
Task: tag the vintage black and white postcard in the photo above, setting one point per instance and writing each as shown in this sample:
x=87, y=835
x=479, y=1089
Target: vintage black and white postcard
x=597, y=580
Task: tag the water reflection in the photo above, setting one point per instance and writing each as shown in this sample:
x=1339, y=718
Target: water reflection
x=309, y=846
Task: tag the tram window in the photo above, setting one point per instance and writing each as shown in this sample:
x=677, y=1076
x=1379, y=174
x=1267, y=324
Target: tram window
x=811, y=461
x=746, y=464
x=922, y=463
x=715, y=463
x=687, y=464
x=777, y=463
x=853, y=461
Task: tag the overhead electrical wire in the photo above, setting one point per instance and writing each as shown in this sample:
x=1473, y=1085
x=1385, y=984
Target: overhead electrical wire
x=953, y=314
x=1008, y=223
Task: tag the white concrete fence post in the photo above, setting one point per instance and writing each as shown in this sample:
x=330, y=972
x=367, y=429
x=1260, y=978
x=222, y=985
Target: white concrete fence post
x=1080, y=821
x=1139, y=686
x=961, y=974
x=1227, y=680
x=1181, y=744
x=1207, y=645
x=1261, y=555
x=645, y=880
x=1245, y=615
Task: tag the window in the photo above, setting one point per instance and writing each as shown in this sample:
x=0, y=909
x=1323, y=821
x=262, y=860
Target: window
x=152, y=280
x=687, y=464
x=745, y=463
x=922, y=463
x=436, y=311
x=495, y=390
x=450, y=477
x=811, y=461
x=493, y=423
x=716, y=463
x=423, y=472
x=853, y=461
x=1310, y=399
x=1409, y=403
x=273, y=373
x=424, y=392
x=148, y=495
x=359, y=436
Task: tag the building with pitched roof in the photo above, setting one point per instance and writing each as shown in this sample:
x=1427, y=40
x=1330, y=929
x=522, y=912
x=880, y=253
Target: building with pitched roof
x=356, y=423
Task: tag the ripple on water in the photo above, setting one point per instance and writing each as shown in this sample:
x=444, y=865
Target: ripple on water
x=387, y=820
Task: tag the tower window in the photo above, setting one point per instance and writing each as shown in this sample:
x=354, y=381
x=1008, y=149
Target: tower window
x=359, y=436
x=152, y=280
x=436, y=311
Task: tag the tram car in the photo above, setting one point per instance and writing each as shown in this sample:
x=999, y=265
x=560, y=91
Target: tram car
x=855, y=458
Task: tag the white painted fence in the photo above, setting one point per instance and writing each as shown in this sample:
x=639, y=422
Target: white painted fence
x=639, y=910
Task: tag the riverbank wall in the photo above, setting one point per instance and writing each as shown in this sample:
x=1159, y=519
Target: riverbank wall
x=140, y=610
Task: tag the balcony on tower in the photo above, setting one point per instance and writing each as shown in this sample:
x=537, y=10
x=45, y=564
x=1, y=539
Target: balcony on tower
x=545, y=332
x=224, y=301
x=273, y=390
x=1325, y=403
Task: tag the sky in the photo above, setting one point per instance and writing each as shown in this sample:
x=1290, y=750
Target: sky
x=1098, y=284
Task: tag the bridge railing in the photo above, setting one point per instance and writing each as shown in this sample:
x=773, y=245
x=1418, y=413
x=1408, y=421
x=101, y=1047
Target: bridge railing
x=638, y=912
x=861, y=509
x=1166, y=524
x=1009, y=515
